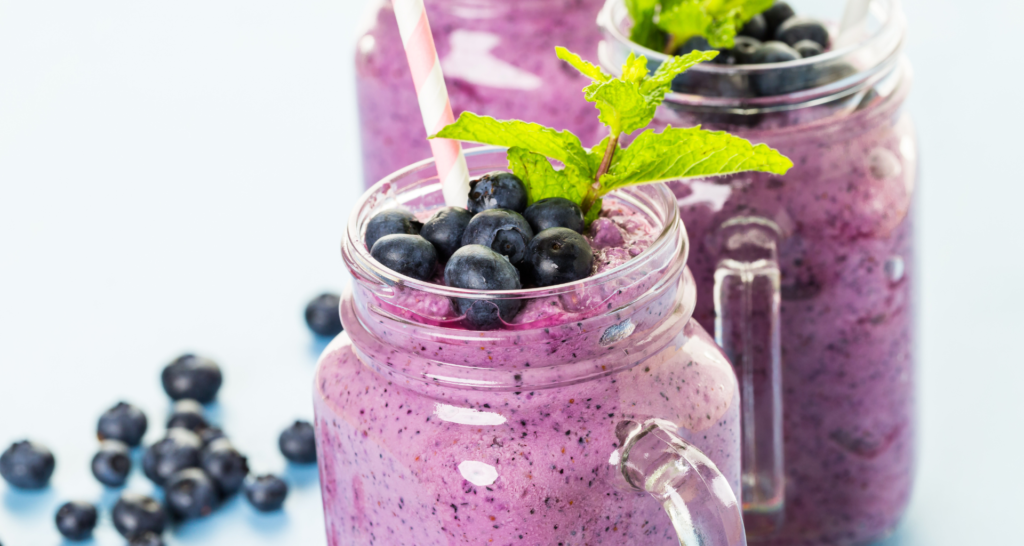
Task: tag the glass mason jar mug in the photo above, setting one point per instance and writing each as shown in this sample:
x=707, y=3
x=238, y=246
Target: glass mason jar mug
x=498, y=58
x=806, y=278
x=604, y=415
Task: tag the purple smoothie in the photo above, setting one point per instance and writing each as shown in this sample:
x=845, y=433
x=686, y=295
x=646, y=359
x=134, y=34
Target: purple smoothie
x=499, y=60
x=844, y=221
x=429, y=434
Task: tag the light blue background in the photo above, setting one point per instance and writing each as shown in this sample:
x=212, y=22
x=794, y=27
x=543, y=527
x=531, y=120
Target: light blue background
x=175, y=176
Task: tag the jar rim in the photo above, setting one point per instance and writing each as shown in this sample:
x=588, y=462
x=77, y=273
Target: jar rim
x=382, y=195
x=871, y=58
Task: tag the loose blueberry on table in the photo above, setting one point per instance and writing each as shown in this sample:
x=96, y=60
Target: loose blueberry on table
x=147, y=539
x=112, y=463
x=187, y=414
x=135, y=515
x=322, y=315
x=76, y=520
x=191, y=494
x=27, y=465
x=177, y=451
x=192, y=377
x=225, y=466
x=266, y=493
x=123, y=422
x=298, y=443
x=210, y=434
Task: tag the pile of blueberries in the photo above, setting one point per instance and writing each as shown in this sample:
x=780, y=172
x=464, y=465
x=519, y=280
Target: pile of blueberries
x=195, y=464
x=776, y=36
x=496, y=243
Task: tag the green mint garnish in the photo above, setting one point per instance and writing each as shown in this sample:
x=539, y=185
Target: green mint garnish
x=625, y=104
x=716, y=20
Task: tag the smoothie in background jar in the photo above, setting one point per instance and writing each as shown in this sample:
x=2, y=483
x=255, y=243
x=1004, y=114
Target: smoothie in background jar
x=498, y=59
x=808, y=277
x=542, y=432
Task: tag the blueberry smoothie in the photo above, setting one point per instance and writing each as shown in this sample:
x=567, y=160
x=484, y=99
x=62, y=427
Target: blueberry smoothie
x=840, y=227
x=498, y=59
x=430, y=433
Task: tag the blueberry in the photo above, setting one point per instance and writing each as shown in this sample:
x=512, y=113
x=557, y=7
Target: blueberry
x=210, y=434
x=776, y=15
x=697, y=43
x=476, y=267
x=808, y=48
x=225, y=466
x=798, y=29
x=190, y=494
x=27, y=465
x=76, y=520
x=147, y=539
x=745, y=49
x=559, y=256
x=391, y=222
x=774, y=52
x=555, y=212
x=298, y=443
x=266, y=493
x=135, y=515
x=504, y=231
x=497, y=190
x=123, y=422
x=178, y=451
x=193, y=377
x=756, y=28
x=187, y=414
x=445, y=230
x=409, y=255
x=322, y=315
x=112, y=463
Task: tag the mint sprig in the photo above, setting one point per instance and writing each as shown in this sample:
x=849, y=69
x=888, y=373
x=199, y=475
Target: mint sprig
x=625, y=104
x=716, y=20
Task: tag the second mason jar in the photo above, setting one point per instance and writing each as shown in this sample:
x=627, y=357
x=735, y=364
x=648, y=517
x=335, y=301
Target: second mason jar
x=807, y=278
x=498, y=57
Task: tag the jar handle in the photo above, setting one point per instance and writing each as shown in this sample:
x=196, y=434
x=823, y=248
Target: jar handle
x=698, y=498
x=747, y=326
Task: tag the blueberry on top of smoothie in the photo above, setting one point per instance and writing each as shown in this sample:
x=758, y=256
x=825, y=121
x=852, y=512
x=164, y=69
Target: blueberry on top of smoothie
x=756, y=28
x=409, y=255
x=27, y=465
x=135, y=515
x=177, y=451
x=225, y=466
x=190, y=494
x=797, y=29
x=266, y=493
x=808, y=48
x=298, y=443
x=477, y=267
x=503, y=231
x=497, y=190
x=76, y=520
x=555, y=212
x=776, y=15
x=112, y=463
x=123, y=422
x=193, y=377
x=774, y=52
x=696, y=43
x=559, y=256
x=391, y=222
x=187, y=414
x=322, y=315
x=445, y=229
x=745, y=49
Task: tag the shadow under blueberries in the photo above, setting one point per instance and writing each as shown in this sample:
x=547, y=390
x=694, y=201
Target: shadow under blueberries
x=301, y=476
x=20, y=501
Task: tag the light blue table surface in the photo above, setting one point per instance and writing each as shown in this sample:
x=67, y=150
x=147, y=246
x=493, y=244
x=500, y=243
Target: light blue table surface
x=175, y=176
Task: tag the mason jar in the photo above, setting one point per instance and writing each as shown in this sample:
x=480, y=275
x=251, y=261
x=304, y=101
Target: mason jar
x=498, y=58
x=604, y=414
x=807, y=279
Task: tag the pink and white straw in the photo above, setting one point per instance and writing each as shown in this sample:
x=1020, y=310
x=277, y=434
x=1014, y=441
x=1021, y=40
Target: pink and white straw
x=433, y=98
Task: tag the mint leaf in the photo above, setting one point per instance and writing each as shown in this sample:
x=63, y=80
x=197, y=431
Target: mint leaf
x=688, y=153
x=561, y=145
x=542, y=180
x=644, y=31
x=716, y=20
x=588, y=69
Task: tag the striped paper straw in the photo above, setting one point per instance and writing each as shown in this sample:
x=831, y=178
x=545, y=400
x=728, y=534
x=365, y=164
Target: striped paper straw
x=435, y=105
